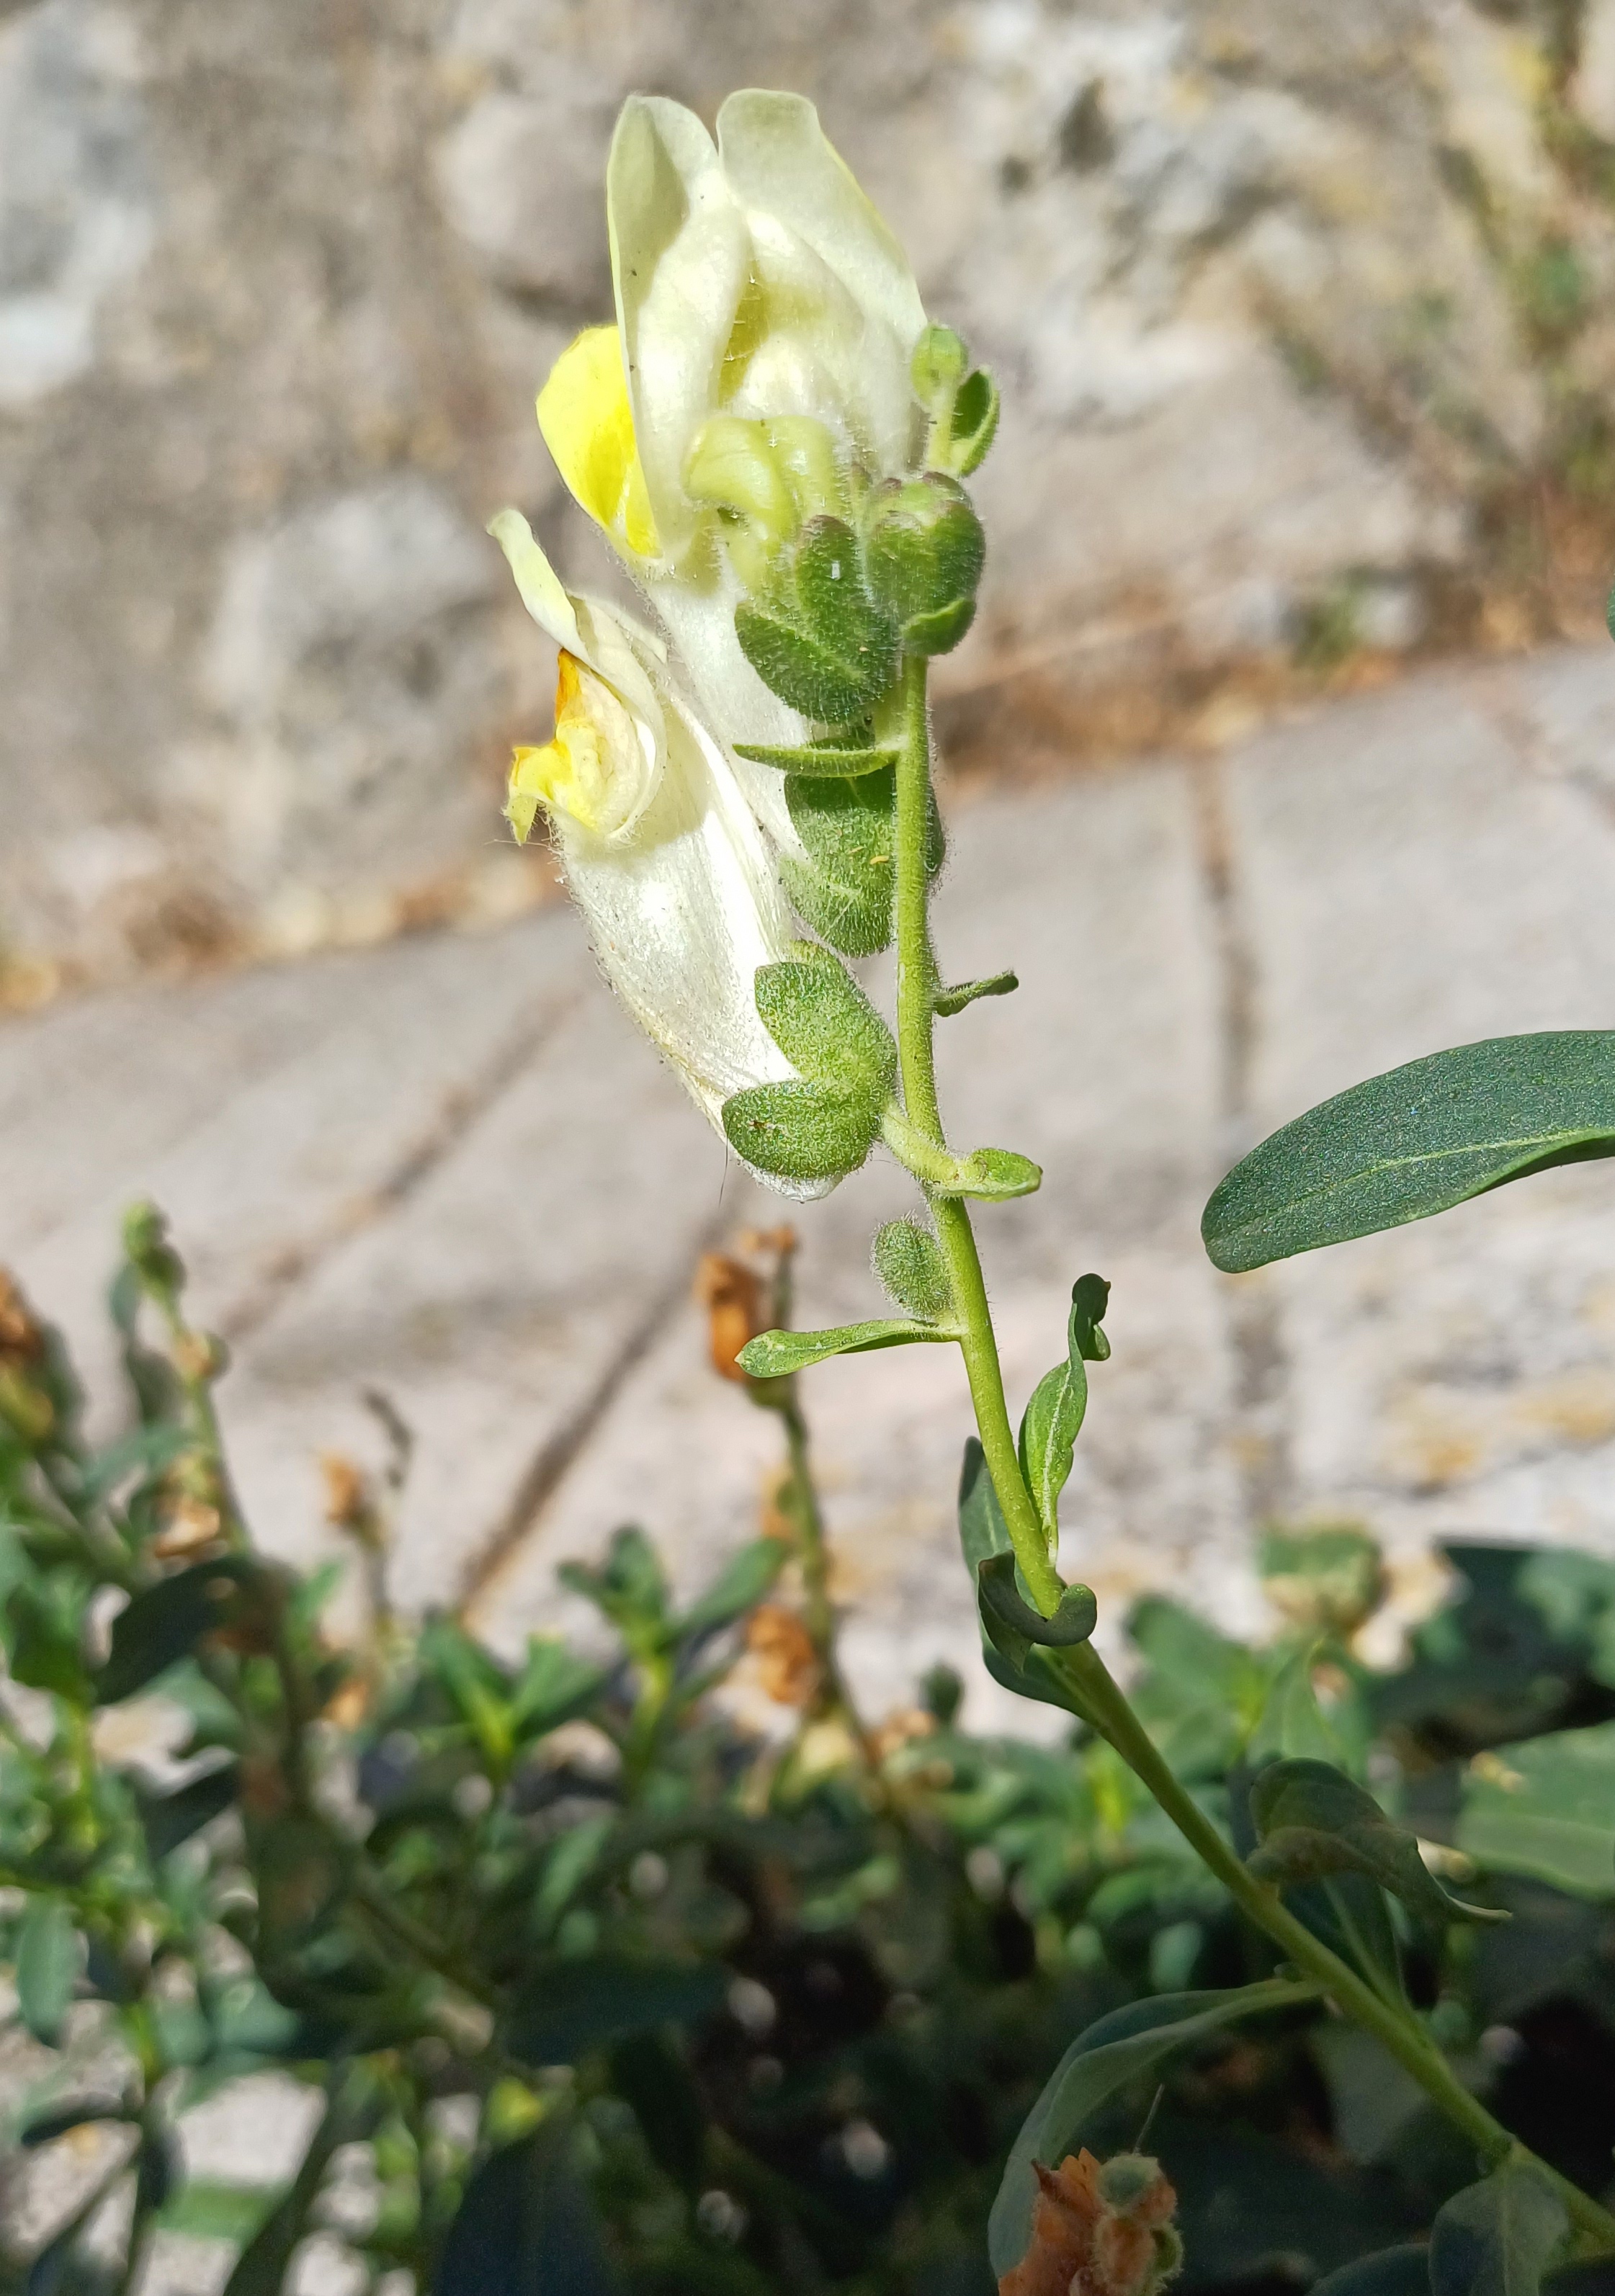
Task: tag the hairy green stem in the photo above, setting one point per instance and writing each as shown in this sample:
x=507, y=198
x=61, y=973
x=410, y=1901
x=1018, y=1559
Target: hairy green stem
x=1094, y=1692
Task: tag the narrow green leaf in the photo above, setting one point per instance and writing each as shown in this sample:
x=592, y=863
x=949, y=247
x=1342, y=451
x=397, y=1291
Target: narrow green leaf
x=775, y=1354
x=826, y=1026
x=527, y=2226
x=1312, y=1821
x=1014, y=1628
x=800, y=1131
x=1121, y=2049
x=570, y=2005
x=47, y=1966
x=166, y=1622
x=827, y=759
x=1415, y=1140
x=553, y=1686
x=1498, y=2237
x=1054, y=1416
x=1547, y=1809
x=740, y=1586
x=975, y=422
x=949, y=1000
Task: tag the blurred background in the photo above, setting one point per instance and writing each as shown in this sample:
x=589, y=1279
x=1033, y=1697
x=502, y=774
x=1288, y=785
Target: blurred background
x=1302, y=314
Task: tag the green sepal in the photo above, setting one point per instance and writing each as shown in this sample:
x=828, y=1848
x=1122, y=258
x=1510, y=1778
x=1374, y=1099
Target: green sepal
x=995, y=1175
x=1012, y=1625
x=1060, y=1401
x=938, y=368
x=924, y=552
x=818, y=638
x=775, y=1354
x=1312, y=1821
x=825, y=760
x=975, y=423
x=949, y=1000
x=800, y=1131
x=826, y=1026
x=912, y=1271
x=847, y=829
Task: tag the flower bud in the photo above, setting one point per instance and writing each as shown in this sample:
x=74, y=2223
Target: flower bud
x=923, y=556
x=938, y=366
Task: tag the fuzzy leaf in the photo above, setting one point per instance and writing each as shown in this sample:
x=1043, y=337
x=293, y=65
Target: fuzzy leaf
x=1120, y=2050
x=775, y=1354
x=912, y=1271
x=819, y=640
x=800, y=1131
x=1416, y=1141
x=949, y=1000
x=995, y=1175
x=844, y=888
x=827, y=760
x=826, y=1026
x=1312, y=1821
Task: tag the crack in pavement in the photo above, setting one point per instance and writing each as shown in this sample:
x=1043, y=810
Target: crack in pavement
x=1261, y=1368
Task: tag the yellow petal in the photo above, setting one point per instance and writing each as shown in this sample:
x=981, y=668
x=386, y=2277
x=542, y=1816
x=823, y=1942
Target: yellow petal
x=587, y=422
x=599, y=770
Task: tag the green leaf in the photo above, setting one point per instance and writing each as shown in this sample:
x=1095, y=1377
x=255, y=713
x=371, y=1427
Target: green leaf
x=47, y=1966
x=630, y=1587
x=1327, y=1579
x=351, y=2113
x=1546, y=1809
x=819, y=640
x=1060, y=1401
x=527, y=2226
x=651, y=2075
x=570, y=2005
x=829, y=759
x=923, y=553
x=826, y=1026
x=209, y=2211
x=166, y=1622
x=949, y=1000
x=844, y=888
x=995, y=1175
x=1293, y=1725
x=982, y=1529
x=553, y=1686
x=1013, y=1626
x=1417, y=1141
x=1120, y=2050
x=800, y=1131
x=171, y=1818
x=912, y=1271
x=740, y=1586
x=775, y=1354
x=45, y=1635
x=1498, y=2237
x=1312, y=1821
x=1403, y=2271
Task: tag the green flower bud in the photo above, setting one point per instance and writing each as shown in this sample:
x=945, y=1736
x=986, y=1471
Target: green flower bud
x=938, y=366
x=910, y=1269
x=923, y=550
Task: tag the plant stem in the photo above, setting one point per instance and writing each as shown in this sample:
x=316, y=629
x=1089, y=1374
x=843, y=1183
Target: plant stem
x=917, y=984
x=1094, y=1692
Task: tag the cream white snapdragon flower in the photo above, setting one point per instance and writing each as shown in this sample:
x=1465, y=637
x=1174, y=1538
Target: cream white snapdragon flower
x=660, y=851
x=758, y=367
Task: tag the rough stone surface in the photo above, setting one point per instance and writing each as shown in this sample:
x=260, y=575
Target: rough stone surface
x=450, y=1171
x=1281, y=296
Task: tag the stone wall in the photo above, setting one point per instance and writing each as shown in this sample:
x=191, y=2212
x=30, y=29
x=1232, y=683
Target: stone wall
x=1302, y=311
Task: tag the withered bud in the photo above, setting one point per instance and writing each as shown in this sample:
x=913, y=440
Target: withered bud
x=199, y=1357
x=21, y=1340
x=732, y=1297
x=189, y=1522
x=1099, y=2229
x=786, y=1663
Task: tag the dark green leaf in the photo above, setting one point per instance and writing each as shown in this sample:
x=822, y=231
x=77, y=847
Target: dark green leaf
x=1118, y=2051
x=1014, y=1627
x=830, y=758
x=912, y=1271
x=47, y=1966
x=975, y=422
x=949, y=1000
x=527, y=2227
x=1416, y=1141
x=1402, y=2271
x=775, y=1354
x=923, y=552
x=1054, y=1416
x=652, y=2076
x=844, y=887
x=1546, y=1809
x=571, y=2005
x=800, y=1131
x=819, y=640
x=351, y=2111
x=826, y=1026
x=45, y=2127
x=982, y=1529
x=1312, y=1821
x=742, y=1584
x=1497, y=2238
x=167, y=1621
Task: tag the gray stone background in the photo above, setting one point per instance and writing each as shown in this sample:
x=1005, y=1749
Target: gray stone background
x=1302, y=311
